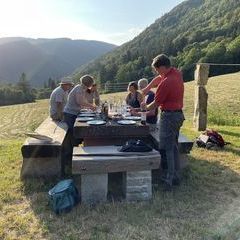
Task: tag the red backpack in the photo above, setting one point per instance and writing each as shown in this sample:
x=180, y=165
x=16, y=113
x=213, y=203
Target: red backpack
x=210, y=139
x=215, y=137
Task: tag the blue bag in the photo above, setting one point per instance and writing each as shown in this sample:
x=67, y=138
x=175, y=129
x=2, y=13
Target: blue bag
x=63, y=196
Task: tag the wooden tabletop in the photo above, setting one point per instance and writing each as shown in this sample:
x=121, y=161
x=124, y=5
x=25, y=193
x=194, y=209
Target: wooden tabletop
x=110, y=129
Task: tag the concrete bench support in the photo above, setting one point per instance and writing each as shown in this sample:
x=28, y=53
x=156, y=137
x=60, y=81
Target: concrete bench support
x=94, y=188
x=138, y=185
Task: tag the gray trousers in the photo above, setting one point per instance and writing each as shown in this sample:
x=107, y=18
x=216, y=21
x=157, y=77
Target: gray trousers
x=170, y=124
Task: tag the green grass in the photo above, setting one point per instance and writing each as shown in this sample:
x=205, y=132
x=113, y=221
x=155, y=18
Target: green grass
x=205, y=206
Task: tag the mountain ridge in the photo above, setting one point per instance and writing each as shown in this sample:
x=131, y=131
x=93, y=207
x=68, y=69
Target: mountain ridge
x=42, y=59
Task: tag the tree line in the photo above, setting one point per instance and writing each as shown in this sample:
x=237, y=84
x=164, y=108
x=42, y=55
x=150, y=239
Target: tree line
x=22, y=92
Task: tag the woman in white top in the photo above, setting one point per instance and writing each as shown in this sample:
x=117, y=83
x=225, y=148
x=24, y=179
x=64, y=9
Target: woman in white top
x=77, y=100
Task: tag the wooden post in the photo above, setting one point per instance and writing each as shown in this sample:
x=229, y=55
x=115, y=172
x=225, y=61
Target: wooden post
x=201, y=97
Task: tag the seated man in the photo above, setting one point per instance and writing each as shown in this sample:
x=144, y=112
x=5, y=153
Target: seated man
x=150, y=95
x=58, y=99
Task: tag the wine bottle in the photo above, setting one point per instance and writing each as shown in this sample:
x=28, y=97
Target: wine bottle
x=143, y=115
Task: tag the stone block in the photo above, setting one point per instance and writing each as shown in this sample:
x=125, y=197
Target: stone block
x=138, y=185
x=94, y=188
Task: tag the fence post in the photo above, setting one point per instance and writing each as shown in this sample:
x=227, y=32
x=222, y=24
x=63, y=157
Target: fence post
x=201, y=97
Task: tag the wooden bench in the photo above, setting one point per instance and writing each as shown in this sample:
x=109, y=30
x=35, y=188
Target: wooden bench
x=184, y=144
x=91, y=165
x=42, y=158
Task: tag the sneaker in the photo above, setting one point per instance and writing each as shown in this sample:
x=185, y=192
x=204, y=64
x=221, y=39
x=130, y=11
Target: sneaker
x=176, y=181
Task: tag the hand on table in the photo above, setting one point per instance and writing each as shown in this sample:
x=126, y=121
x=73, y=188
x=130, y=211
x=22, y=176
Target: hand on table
x=143, y=105
x=93, y=108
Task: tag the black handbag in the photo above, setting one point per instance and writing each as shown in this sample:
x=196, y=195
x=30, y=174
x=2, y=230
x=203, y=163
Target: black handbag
x=135, y=146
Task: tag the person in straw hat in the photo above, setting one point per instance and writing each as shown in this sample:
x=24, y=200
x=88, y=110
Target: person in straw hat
x=77, y=100
x=58, y=99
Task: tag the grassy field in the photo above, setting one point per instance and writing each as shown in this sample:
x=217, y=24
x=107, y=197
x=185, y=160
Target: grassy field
x=205, y=206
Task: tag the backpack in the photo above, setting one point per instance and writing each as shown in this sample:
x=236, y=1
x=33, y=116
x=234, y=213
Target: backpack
x=210, y=139
x=63, y=196
x=215, y=137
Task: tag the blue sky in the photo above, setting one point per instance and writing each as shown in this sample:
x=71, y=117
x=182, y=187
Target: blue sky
x=111, y=21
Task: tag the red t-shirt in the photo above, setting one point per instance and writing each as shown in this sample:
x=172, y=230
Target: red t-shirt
x=169, y=94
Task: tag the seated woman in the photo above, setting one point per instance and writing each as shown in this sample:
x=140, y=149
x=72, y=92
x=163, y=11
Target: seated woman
x=92, y=95
x=134, y=97
x=152, y=115
x=77, y=100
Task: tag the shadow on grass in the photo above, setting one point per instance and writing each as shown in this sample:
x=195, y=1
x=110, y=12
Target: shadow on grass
x=190, y=211
x=233, y=150
x=233, y=134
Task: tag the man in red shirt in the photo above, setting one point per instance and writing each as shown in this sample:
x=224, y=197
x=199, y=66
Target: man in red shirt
x=169, y=97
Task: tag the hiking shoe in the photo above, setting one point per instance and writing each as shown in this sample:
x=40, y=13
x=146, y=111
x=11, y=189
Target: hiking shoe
x=176, y=181
x=167, y=187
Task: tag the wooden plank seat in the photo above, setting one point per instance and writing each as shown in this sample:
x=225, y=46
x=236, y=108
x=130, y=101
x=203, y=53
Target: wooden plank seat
x=184, y=144
x=43, y=158
x=91, y=165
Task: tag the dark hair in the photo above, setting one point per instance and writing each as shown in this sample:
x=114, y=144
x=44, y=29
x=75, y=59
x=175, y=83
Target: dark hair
x=161, y=60
x=134, y=84
x=87, y=80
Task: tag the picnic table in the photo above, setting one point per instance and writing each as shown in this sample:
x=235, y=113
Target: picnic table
x=109, y=133
x=99, y=157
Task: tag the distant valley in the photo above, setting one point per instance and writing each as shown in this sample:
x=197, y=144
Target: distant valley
x=41, y=59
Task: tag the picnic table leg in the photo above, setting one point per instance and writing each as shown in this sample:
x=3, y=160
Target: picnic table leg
x=137, y=185
x=94, y=188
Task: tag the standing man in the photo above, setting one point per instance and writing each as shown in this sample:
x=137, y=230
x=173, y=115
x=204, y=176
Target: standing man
x=58, y=99
x=169, y=97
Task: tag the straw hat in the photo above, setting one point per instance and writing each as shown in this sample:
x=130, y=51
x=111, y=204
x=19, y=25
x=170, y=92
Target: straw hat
x=66, y=80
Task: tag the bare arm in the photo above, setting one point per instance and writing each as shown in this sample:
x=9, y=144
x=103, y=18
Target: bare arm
x=60, y=110
x=81, y=101
x=140, y=97
x=97, y=98
x=152, y=106
x=154, y=83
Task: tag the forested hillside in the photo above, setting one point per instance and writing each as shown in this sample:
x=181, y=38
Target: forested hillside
x=194, y=31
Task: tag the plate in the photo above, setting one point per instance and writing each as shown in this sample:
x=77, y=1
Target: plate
x=39, y=136
x=126, y=122
x=86, y=111
x=86, y=115
x=135, y=118
x=96, y=122
x=84, y=119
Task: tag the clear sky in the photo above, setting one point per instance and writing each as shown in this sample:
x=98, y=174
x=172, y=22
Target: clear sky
x=105, y=20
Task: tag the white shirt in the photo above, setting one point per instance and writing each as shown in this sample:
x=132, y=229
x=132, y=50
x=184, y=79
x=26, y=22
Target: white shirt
x=57, y=96
x=76, y=98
